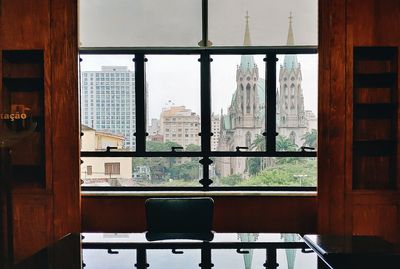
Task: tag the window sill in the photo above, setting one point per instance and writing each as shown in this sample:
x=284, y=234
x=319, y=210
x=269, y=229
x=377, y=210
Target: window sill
x=198, y=193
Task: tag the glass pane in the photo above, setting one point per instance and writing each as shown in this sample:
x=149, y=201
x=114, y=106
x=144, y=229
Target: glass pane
x=264, y=171
x=238, y=102
x=262, y=23
x=173, y=102
x=123, y=23
x=108, y=102
x=167, y=171
x=296, y=113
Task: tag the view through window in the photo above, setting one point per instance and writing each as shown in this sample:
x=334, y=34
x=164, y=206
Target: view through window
x=178, y=113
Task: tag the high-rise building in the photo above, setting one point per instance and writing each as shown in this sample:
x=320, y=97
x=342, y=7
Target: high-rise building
x=108, y=101
x=180, y=125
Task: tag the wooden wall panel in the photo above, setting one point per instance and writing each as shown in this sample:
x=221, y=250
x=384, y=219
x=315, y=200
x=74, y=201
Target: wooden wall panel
x=375, y=22
x=32, y=223
x=49, y=25
x=331, y=117
x=26, y=24
x=231, y=214
x=376, y=220
x=65, y=117
x=343, y=25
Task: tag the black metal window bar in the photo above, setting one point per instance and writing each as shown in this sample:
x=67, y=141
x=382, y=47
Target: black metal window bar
x=205, y=54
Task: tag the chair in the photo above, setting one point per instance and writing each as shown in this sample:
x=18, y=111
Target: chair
x=180, y=218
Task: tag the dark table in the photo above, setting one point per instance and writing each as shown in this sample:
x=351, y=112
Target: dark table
x=135, y=250
x=342, y=252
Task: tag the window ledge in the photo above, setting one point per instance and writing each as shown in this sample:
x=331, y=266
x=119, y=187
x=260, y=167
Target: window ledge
x=198, y=193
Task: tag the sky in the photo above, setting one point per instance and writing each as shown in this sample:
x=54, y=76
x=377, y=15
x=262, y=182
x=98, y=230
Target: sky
x=177, y=78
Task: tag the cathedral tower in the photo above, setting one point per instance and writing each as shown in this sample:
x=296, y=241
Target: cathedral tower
x=245, y=103
x=291, y=119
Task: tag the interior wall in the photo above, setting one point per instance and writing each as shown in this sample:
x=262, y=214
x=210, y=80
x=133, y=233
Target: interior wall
x=45, y=212
x=231, y=214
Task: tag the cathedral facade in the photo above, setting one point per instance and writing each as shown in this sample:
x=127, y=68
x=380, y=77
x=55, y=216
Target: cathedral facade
x=245, y=116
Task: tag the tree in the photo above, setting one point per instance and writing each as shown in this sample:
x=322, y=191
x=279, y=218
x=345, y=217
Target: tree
x=193, y=147
x=310, y=139
x=258, y=143
x=253, y=165
x=285, y=144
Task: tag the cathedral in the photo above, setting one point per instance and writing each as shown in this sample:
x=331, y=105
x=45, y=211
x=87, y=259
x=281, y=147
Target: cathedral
x=246, y=114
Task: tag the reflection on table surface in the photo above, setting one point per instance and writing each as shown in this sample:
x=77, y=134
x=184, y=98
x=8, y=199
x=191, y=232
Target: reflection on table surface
x=224, y=251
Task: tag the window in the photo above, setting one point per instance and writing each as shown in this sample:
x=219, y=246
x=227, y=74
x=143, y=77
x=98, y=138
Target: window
x=204, y=107
x=112, y=169
x=89, y=170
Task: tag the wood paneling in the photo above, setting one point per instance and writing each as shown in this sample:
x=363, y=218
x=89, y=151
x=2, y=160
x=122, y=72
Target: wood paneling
x=376, y=220
x=65, y=116
x=32, y=223
x=47, y=212
x=231, y=214
x=332, y=115
x=343, y=25
x=375, y=22
x=25, y=24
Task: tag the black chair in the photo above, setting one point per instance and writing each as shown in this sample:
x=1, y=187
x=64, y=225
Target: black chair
x=179, y=218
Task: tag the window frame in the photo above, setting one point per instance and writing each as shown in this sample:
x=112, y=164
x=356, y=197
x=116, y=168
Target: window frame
x=205, y=53
x=205, y=59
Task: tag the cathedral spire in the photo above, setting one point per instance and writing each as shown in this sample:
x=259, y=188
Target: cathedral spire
x=290, y=37
x=290, y=59
x=247, y=41
x=247, y=61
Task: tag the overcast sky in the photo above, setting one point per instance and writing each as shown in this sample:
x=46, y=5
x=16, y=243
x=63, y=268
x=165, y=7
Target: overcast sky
x=177, y=78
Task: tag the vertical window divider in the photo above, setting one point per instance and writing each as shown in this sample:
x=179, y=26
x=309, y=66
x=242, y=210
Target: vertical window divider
x=205, y=104
x=204, y=23
x=140, y=100
x=270, y=95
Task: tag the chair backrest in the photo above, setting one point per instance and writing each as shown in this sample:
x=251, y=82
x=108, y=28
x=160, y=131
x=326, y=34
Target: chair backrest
x=179, y=215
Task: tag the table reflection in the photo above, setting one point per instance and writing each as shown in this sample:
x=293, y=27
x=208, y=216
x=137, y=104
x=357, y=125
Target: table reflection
x=230, y=251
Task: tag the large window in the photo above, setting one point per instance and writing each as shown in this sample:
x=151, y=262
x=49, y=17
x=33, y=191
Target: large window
x=175, y=112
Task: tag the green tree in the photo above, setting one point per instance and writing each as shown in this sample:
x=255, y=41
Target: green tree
x=258, y=143
x=232, y=180
x=285, y=144
x=310, y=139
x=254, y=165
x=159, y=146
x=193, y=147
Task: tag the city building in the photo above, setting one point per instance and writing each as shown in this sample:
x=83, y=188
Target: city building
x=180, y=125
x=106, y=171
x=108, y=101
x=215, y=129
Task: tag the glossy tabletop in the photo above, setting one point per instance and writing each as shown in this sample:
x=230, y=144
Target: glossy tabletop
x=354, y=251
x=134, y=250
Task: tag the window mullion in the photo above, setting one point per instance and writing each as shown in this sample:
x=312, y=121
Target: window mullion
x=204, y=23
x=205, y=101
x=270, y=96
x=140, y=100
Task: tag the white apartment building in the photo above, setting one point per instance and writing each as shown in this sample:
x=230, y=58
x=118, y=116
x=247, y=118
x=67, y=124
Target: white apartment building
x=108, y=101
